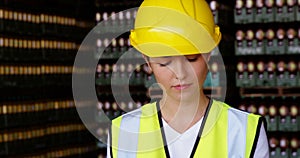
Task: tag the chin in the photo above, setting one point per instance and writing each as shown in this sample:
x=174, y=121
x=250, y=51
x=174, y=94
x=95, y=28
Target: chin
x=187, y=96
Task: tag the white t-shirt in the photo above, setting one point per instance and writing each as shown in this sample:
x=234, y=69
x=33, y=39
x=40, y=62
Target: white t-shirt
x=181, y=145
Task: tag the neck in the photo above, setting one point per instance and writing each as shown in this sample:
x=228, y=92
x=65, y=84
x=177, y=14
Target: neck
x=181, y=115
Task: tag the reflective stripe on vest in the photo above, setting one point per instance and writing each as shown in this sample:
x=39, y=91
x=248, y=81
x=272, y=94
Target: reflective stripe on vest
x=128, y=137
x=239, y=137
x=227, y=131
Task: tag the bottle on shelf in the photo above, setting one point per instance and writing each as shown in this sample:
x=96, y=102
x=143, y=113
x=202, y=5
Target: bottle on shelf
x=242, y=107
x=262, y=75
x=123, y=107
x=291, y=10
x=252, y=75
x=115, y=110
x=284, y=118
x=114, y=22
x=271, y=68
x=284, y=147
x=138, y=75
x=281, y=74
x=292, y=74
x=148, y=77
x=107, y=74
x=281, y=41
x=273, y=118
x=129, y=19
x=129, y=71
x=115, y=53
x=115, y=75
x=259, y=42
x=130, y=106
x=292, y=42
x=240, y=43
x=281, y=11
x=108, y=109
x=274, y=147
x=239, y=11
x=249, y=11
x=271, y=46
x=105, y=21
x=123, y=74
x=122, y=46
x=252, y=108
x=121, y=20
x=260, y=9
x=244, y=75
x=295, y=150
x=214, y=8
x=271, y=11
x=215, y=74
x=294, y=114
x=107, y=48
x=98, y=17
x=249, y=38
x=263, y=110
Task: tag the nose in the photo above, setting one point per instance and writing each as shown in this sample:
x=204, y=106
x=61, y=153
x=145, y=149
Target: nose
x=180, y=69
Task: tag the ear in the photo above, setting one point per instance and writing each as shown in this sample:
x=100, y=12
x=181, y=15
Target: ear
x=146, y=58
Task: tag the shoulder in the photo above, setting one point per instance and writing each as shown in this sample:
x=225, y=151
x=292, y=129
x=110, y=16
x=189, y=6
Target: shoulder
x=234, y=111
x=133, y=115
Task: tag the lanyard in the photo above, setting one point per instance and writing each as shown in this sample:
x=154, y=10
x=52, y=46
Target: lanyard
x=199, y=133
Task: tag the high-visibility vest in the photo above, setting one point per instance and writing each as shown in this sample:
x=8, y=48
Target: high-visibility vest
x=227, y=132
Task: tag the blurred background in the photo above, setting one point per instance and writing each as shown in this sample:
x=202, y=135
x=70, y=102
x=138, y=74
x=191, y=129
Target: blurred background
x=39, y=40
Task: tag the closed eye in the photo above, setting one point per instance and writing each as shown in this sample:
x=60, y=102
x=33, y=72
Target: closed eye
x=164, y=64
x=192, y=58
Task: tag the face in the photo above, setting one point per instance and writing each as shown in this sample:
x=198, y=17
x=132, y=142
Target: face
x=180, y=77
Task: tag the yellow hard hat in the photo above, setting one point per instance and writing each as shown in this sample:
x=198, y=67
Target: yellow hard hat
x=174, y=27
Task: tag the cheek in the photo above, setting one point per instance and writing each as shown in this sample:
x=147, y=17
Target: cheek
x=200, y=70
x=162, y=75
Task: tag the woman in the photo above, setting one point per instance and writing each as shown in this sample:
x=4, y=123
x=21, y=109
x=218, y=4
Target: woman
x=176, y=38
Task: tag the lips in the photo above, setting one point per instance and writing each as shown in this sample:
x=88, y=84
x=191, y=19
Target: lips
x=181, y=86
